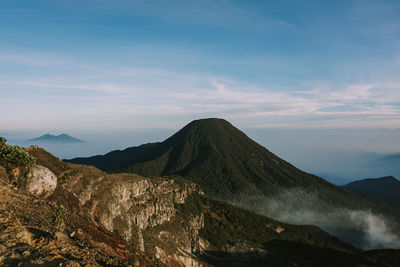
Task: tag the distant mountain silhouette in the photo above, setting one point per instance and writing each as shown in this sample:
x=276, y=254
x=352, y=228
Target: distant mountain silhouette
x=389, y=163
x=62, y=138
x=379, y=186
x=383, y=191
x=395, y=156
x=113, y=160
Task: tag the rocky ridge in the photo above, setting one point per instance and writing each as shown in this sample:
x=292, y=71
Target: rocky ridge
x=34, y=232
x=127, y=205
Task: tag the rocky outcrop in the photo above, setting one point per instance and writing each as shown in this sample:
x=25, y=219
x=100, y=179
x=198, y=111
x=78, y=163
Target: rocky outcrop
x=28, y=237
x=40, y=181
x=140, y=210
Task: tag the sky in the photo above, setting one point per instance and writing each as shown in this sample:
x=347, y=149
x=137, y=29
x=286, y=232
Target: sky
x=100, y=65
x=141, y=64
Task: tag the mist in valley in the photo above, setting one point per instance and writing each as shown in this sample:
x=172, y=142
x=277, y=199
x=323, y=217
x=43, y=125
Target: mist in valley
x=363, y=228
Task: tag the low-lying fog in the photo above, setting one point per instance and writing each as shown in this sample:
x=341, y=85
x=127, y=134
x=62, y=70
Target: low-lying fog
x=362, y=228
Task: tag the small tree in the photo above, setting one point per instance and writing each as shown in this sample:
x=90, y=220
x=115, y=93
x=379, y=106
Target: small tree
x=3, y=140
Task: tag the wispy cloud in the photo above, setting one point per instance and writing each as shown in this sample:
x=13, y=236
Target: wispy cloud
x=215, y=13
x=367, y=104
x=106, y=88
x=124, y=94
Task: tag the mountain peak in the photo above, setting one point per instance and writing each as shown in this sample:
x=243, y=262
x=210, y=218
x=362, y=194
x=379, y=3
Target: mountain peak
x=211, y=131
x=209, y=121
x=223, y=160
x=210, y=124
x=389, y=178
x=50, y=138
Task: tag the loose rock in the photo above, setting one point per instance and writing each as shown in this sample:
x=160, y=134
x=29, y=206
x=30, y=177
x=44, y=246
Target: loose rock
x=26, y=253
x=60, y=236
x=40, y=181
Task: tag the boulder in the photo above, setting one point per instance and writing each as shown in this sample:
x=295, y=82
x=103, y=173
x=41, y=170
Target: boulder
x=40, y=181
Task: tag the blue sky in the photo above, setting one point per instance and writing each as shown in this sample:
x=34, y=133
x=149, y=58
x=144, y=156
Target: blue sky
x=100, y=64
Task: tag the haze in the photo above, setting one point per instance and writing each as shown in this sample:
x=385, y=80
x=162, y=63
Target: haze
x=340, y=156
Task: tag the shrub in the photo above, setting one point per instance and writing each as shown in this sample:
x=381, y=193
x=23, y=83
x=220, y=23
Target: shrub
x=116, y=232
x=193, y=206
x=3, y=140
x=58, y=220
x=15, y=156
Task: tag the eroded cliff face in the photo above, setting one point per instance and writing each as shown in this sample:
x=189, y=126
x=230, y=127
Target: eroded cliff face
x=38, y=231
x=181, y=233
x=132, y=206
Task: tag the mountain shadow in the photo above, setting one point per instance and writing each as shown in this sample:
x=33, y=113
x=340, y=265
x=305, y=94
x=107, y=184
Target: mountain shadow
x=113, y=160
x=383, y=191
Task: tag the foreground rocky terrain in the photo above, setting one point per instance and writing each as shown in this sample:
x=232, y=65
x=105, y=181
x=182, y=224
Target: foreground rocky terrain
x=34, y=232
x=91, y=218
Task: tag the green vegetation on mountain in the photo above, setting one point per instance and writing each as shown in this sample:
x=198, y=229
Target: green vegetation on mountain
x=221, y=159
x=3, y=140
x=229, y=165
x=226, y=224
x=232, y=231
